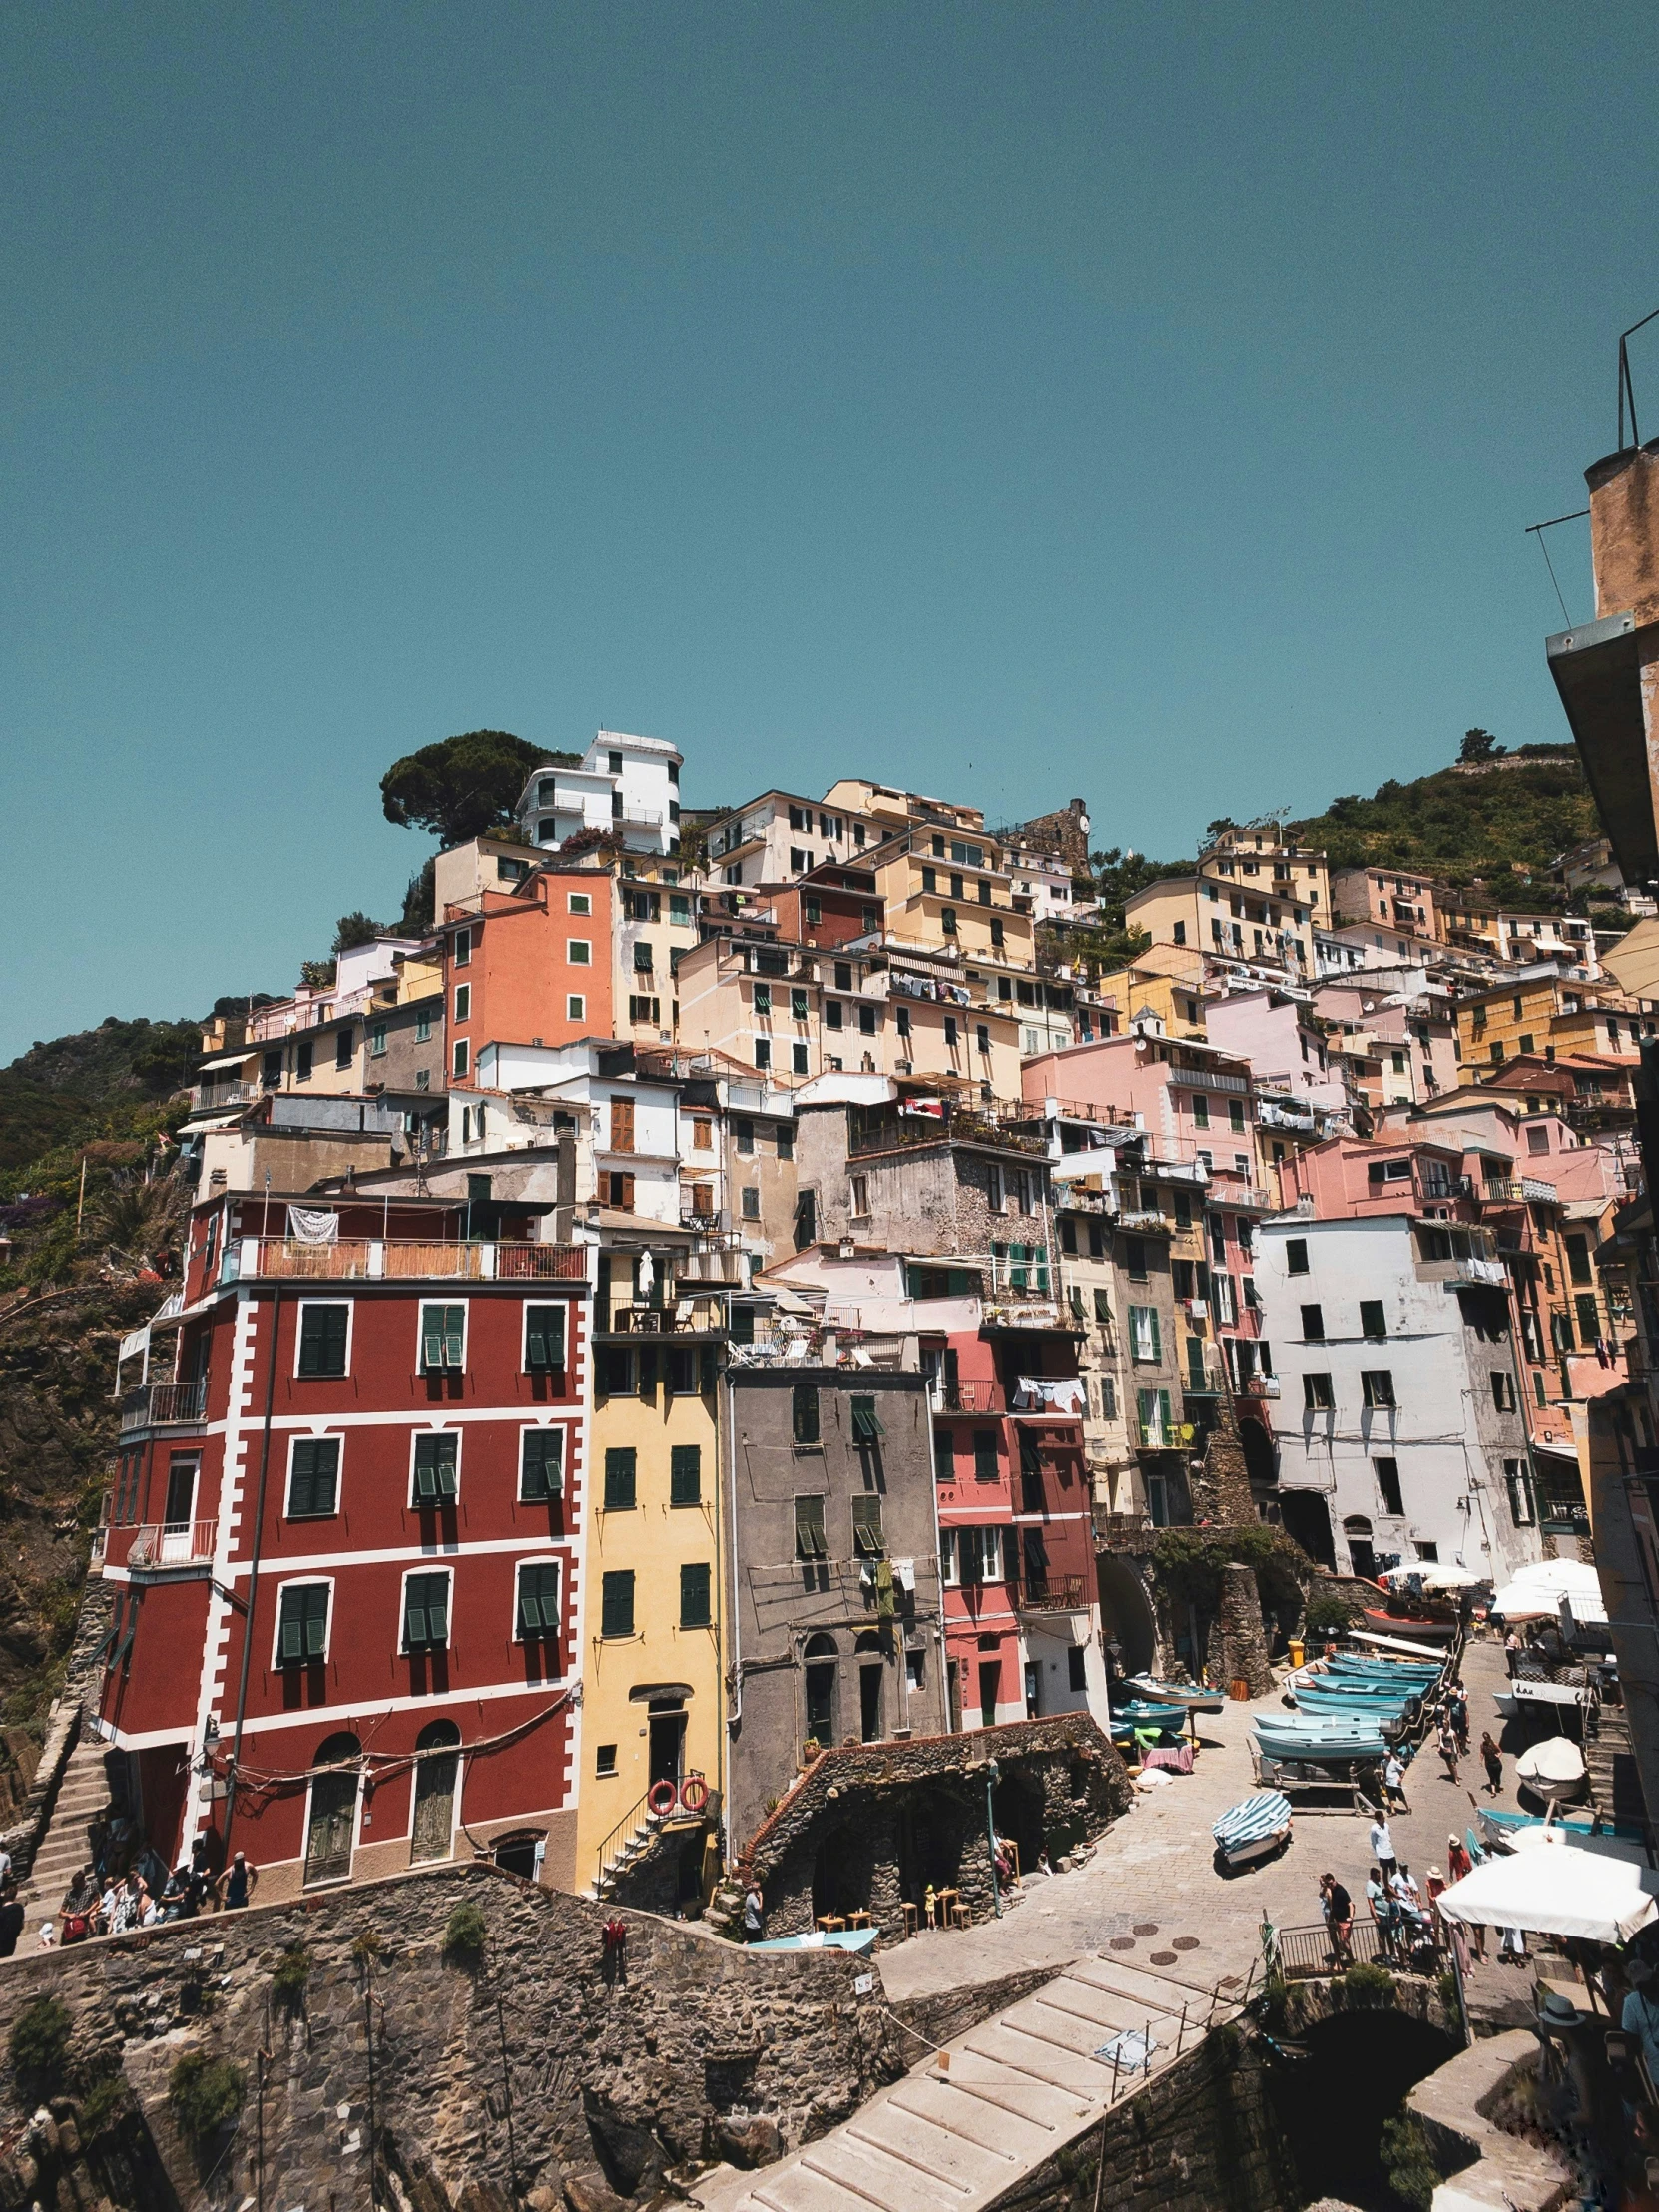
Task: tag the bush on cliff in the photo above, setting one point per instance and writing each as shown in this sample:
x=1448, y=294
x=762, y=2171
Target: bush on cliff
x=39, y=2041
x=205, y=2094
x=467, y=1933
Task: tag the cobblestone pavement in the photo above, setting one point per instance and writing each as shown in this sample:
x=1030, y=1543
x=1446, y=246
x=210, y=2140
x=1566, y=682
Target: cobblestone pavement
x=1152, y=1893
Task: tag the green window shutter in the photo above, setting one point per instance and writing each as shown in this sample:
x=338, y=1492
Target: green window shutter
x=542, y=1471
x=867, y=1541
x=944, y=1456
x=1152, y=1326
x=685, y=1474
x=302, y=1625
x=1102, y=1305
x=620, y=1478
x=454, y=1335
x=866, y=1426
x=315, y=1486
x=323, y=1338
x=693, y=1596
x=435, y=1464
x=984, y=1454
x=1030, y=1453
x=432, y=1339
x=427, y=1612
x=538, y=1601
x=544, y=1339
x=805, y=1413
x=1164, y=1411
x=616, y=1604
x=810, y=1540
x=1075, y=1297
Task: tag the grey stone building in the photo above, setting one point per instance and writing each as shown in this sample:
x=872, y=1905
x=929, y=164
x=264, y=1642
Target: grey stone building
x=833, y=1566
x=957, y=1186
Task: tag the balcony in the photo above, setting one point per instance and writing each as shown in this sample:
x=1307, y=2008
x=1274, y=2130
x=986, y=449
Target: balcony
x=1248, y=1197
x=969, y=1398
x=374, y=1260
x=163, y=1405
x=211, y=1096
x=947, y=1128
x=1064, y=1593
x=686, y=1317
x=158, y=1548
x=1142, y=1218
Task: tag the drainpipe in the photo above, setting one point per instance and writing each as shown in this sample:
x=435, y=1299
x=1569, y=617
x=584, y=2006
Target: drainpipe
x=253, y=1565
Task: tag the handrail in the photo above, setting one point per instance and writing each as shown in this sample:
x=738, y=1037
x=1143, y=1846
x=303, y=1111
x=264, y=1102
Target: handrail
x=158, y=1545
x=393, y=1260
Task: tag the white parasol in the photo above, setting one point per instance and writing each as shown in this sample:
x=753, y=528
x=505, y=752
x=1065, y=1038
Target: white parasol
x=1557, y=1892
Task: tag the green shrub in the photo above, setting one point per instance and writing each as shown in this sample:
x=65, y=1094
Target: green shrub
x=205, y=2093
x=1408, y=2163
x=1369, y=1986
x=103, y=2103
x=39, y=2041
x=1328, y=1614
x=466, y=1934
x=291, y=1973
x=1448, y=1987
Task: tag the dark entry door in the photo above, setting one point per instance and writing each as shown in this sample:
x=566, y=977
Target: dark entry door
x=870, y=1702
x=668, y=1734
x=991, y=1682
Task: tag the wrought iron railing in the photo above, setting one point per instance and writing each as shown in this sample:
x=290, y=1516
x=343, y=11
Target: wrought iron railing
x=1306, y=1954
x=157, y=1404
x=1062, y=1593
x=155, y=1546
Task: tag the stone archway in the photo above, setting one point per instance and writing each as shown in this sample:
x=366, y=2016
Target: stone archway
x=1126, y=1614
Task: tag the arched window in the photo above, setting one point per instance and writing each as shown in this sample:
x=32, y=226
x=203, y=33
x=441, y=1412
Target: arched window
x=433, y=1830
x=332, y=1822
x=820, y=1655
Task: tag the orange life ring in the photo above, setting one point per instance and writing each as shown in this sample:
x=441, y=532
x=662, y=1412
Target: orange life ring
x=660, y=1796
x=694, y=1793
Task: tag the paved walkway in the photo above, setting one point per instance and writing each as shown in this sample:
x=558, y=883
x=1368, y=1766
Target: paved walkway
x=1152, y=1877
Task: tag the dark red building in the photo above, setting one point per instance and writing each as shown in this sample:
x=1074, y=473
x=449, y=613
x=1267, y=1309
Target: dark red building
x=346, y=1540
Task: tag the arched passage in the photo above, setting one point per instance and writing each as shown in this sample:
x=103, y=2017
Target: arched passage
x=1307, y=1520
x=1261, y=1462
x=1333, y=2101
x=1126, y=1613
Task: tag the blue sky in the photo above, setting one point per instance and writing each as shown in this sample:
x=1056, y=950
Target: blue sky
x=1140, y=401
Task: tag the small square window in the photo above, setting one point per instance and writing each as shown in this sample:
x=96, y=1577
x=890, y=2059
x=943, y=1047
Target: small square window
x=580, y=902
x=578, y=952
x=576, y=1009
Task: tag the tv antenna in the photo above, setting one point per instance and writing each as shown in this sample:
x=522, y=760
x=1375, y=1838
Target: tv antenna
x=1627, y=391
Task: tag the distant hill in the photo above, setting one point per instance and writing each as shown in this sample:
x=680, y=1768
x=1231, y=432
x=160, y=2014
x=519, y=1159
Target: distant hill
x=1480, y=819
x=104, y=1082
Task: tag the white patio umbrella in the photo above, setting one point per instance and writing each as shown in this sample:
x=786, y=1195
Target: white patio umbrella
x=1536, y=1592
x=1557, y=1892
x=1433, y=1577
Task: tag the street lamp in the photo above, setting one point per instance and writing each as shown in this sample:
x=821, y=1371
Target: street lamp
x=993, y=1775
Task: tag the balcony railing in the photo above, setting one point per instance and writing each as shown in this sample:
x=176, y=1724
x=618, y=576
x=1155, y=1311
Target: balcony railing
x=212, y=1095
x=1144, y=1217
x=895, y=1136
x=159, y=1405
x=969, y=1398
x=396, y=1260
x=684, y=1314
x=1058, y=1595
x=152, y=1548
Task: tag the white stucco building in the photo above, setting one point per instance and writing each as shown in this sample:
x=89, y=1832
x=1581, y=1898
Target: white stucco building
x=624, y=782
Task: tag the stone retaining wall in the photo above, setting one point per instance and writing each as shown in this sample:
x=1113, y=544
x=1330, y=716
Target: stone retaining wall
x=530, y=2068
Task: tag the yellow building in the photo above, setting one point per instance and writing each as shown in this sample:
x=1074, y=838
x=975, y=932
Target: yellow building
x=653, y=1722
x=1165, y=981
x=1547, y=1014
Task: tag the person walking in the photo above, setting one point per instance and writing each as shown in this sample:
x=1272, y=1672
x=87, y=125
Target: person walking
x=1394, y=1783
x=1338, y=1908
x=1492, y=1760
x=1381, y=1844
x=1458, y=1860
x=1434, y=1889
x=1461, y=1717
x=754, y=1914
x=1448, y=1748
x=12, y=1920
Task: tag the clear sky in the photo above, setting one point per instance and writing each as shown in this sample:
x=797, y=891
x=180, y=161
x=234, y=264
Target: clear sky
x=1014, y=400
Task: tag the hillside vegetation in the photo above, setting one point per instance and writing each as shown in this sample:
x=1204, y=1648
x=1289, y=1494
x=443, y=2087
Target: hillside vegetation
x=1485, y=820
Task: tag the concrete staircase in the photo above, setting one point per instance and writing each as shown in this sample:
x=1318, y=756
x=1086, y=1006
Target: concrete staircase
x=963, y=2130
x=82, y=1795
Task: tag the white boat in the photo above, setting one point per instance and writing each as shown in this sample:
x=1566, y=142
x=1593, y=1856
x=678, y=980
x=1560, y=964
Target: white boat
x=1514, y=1699
x=1554, y=1768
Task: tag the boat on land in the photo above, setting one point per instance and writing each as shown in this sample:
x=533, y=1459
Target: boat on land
x=1254, y=1829
x=1143, y=1713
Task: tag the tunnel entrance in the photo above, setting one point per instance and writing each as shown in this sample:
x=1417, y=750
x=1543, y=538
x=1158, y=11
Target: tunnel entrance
x=1333, y=2101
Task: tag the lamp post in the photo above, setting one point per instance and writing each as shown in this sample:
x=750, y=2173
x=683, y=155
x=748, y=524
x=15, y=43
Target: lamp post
x=993, y=1773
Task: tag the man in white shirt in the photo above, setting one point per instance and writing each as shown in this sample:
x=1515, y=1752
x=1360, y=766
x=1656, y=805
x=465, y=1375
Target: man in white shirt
x=1382, y=1847
x=1394, y=1781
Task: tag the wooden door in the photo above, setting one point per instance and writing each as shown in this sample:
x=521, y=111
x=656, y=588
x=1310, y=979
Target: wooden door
x=333, y=1823
x=622, y=1125
x=435, y=1802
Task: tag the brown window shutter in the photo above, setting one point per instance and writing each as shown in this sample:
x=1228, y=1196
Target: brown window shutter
x=622, y=1125
x=628, y=1194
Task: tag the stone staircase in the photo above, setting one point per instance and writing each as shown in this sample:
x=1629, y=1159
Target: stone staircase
x=971, y=2125
x=82, y=1795
x=1615, y=1786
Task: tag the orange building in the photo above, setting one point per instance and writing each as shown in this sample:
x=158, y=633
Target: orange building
x=531, y=965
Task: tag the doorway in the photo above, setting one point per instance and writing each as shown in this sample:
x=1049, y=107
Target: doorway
x=668, y=1739
x=820, y=1656
x=433, y=1831
x=991, y=1682
x=1033, y=1690
x=870, y=1703
x=332, y=1822
x=182, y=1471
x=1356, y=1535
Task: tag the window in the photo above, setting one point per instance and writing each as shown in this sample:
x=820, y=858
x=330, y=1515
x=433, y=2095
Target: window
x=750, y=1202
x=1296, y=1256
x=1387, y=1481
x=762, y=1052
x=866, y=1422
x=578, y=952
x=947, y=921
x=1183, y=1210
x=1201, y=1111
x=1144, y=1341
x=982, y=1037
x=1180, y=932
x=1235, y=1116
x=616, y=1604
x=702, y=1134
x=993, y=1188
x=377, y=1040
x=544, y=1339
x=833, y=1014
x=538, y=1600
x=867, y=1542
x=695, y=1608
x=1578, y=1259
x=541, y=1467
x=463, y=948
x=460, y=1060
x=442, y=1339
x=1373, y=1321
x=810, y=1540
x=1538, y=1140
x=463, y=1005
x=1316, y=1394
x=1077, y=1662
x=970, y=1556
x=1312, y=1324
x=303, y=1062
x=576, y=1009
x=744, y=1136
x=302, y=1623
x=343, y=1046
x=996, y=931
x=423, y=1026
x=797, y=1006
x=1378, y=1385
x=685, y=1474
x=1523, y=1508
x=579, y=903
x=984, y=1456
x=860, y=1196
x=1103, y=1306
x=325, y=1337
x=620, y=1473
x=1590, y=1321
x=798, y=1059
x=1134, y=1257
x=1504, y=1391
x=866, y=1021
x=805, y=1415
x=435, y=1462
x=944, y=1456
x=313, y=1477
